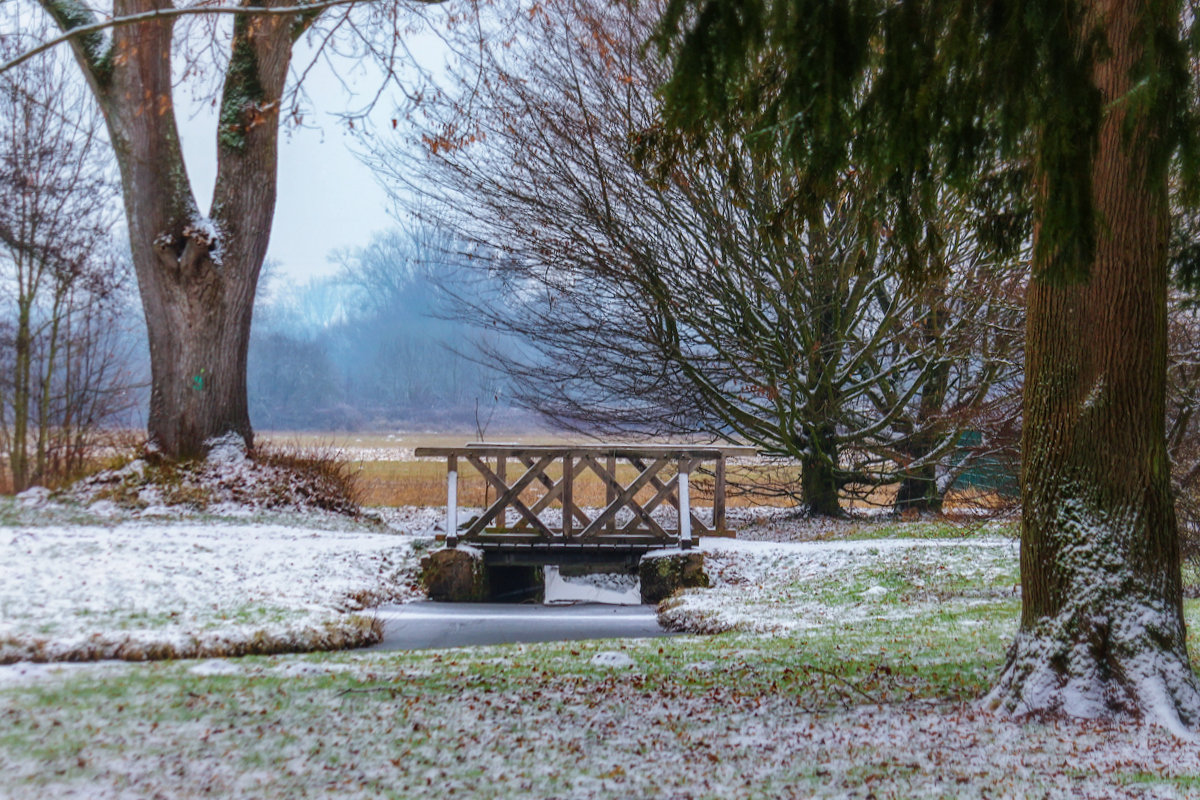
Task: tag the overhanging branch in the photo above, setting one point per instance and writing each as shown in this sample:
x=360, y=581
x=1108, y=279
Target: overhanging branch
x=165, y=13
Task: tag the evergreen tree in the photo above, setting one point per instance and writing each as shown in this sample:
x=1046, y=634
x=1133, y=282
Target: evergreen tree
x=1091, y=98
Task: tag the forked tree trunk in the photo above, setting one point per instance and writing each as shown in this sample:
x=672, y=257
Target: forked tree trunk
x=199, y=335
x=1102, y=630
x=197, y=276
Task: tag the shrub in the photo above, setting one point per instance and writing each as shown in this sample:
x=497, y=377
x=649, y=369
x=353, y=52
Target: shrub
x=275, y=477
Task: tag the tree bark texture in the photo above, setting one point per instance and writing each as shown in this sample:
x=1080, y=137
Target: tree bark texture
x=820, y=485
x=1102, y=630
x=918, y=491
x=821, y=477
x=197, y=275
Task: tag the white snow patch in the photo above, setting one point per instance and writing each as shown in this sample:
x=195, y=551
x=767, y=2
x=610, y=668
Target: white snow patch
x=215, y=666
x=295, y=669
x=612, y=588
x=160, y=510
x=69, y=592
x=228, y=449
x=205, y=231
x=423, y=520
x=612, y=658
x=24, y=672
x=104, y=509
x=34, y=497
x=137, y=467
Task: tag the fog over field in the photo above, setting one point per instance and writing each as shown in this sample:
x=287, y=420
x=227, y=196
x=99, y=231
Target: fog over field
x=375, y=346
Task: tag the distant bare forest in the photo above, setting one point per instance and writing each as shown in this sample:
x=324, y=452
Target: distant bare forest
x=373, y=345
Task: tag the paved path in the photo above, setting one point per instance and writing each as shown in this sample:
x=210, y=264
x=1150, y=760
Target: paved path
x=425, y=624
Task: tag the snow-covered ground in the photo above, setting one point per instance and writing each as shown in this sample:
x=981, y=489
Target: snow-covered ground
x=600, y=721
x=841, y=708
x=783, y=587
x=143, y=589
x=847, y=670
x=102, y=582
x=615, y=589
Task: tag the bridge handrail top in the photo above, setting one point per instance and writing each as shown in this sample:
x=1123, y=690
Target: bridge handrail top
x=488, y=449
x=607, y=446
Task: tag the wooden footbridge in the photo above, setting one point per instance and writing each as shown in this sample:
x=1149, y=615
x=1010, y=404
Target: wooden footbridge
x=624, y=529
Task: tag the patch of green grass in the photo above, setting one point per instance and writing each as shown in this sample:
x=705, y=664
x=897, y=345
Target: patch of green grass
x=396, y=708
x=940, y=575
x=937, y=529
x=13, y=513
x=1190, y=783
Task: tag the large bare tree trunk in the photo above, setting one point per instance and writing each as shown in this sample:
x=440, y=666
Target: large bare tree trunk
x=197, y=275
x=1102, y=630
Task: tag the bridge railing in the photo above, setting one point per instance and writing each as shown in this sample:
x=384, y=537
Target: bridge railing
x=662, y=477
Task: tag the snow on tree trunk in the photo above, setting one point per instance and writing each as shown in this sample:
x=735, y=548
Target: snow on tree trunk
x=1102, y=632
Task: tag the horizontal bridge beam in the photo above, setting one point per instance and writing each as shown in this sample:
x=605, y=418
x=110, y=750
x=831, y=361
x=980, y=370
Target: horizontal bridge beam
x=706, y=453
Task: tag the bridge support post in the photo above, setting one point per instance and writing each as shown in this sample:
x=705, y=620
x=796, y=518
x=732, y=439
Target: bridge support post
x=685, y=507
x=456, y=575
x=662, y=574
x=451, y=501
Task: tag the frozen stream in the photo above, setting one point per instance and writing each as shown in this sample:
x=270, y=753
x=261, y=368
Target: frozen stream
x=425, y=624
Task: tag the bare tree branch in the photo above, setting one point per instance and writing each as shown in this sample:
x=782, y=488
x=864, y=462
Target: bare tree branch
x=167, y=13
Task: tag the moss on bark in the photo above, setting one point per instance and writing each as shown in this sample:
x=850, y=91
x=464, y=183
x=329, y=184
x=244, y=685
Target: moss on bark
x=455, y=576
x=663, y=575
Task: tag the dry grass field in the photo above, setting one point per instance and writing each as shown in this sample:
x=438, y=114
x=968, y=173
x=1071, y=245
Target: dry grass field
x=389, y=475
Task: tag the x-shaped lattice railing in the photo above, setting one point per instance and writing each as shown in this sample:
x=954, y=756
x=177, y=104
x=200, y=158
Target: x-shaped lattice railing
x=578, y=526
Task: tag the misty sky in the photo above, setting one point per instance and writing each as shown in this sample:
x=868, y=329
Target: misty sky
x=327, y=197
